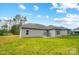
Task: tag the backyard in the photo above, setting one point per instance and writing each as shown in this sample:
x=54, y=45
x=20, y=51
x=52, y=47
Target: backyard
x=15, y=45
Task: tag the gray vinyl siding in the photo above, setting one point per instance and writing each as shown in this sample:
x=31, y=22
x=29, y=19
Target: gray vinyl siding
x=32, y=33
x=62, y=33
x=41, y=33
x=52, y=33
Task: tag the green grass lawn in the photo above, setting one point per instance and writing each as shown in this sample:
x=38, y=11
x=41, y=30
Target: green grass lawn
x=36, y=46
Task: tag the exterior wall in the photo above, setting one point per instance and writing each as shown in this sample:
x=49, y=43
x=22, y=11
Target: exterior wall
x=62, y=32
x=52, y=33
x=41, y=33
x=32, y=33
x=75, y=32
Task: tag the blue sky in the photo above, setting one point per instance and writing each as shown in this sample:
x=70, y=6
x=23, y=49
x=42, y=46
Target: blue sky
x=59, y=14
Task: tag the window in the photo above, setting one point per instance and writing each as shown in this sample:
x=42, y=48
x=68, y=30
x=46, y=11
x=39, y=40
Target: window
x=46, y=33
x=58, y=32
x=77, y=33
x=27, y=32
x=68, y=32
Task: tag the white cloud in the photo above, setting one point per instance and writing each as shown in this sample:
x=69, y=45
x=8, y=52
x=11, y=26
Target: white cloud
x=39, y=16
x=22, y=7
x=47, y=16
x=68, y=18
x=36, y=8
x=54, y=5
x=59, y=8
x=60, y=11
x=64, y=6
x=71, y=20
x=72, y=16
x=69, y=5
x=5, y=18
x=28, y=14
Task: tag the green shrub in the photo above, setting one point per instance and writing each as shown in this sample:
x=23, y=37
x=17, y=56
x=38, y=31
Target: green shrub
x=15, y=29
x=1, y=33
x=4, y=32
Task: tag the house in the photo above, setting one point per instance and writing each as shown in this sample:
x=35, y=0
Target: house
x=38, y=30
x=76, y=31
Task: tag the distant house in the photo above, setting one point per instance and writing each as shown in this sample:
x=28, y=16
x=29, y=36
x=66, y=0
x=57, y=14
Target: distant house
x=76, y=31
x=38, y=30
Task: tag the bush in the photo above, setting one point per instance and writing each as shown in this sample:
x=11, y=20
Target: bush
x=15, y=29
x=4, y=32
x=1, y=33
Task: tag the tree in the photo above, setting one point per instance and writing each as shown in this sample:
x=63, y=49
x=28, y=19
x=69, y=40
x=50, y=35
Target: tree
x=15, y=29
x=19, y=19
x=4, y=26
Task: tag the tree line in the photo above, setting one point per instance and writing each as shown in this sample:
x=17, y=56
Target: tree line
x=12, y=26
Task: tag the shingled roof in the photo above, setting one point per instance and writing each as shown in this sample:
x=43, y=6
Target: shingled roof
x=34, y=26
x=76, y=28
x=39, y=26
